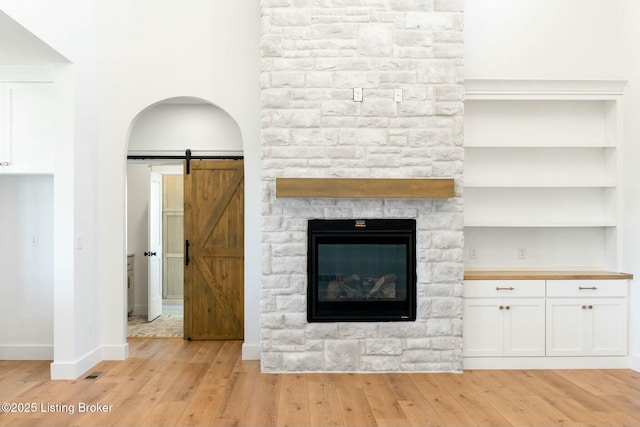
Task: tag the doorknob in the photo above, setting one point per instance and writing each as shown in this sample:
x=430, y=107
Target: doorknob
x=149, y=254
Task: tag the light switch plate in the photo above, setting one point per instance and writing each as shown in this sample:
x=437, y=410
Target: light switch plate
x=357, y=94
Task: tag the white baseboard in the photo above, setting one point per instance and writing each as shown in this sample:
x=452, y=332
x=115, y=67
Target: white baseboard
x=605, y=362
x=73, y=370
x=115, y=352
x=26, y=352
x=634, y=362
x=251, y=352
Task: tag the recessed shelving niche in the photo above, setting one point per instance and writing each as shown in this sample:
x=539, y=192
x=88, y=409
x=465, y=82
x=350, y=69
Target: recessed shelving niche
x=542, y=173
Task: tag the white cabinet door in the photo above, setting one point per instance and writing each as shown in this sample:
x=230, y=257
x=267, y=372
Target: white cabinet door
x=495, y=327
x=27, y=120
x=524, y=331
x=606, y=327
x=586, y=327
x=565, y=327
x=483, y=327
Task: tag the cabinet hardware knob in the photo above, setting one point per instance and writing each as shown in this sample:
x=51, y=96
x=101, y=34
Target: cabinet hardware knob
x=508, y=307
x=584, y=307
x=501, y=307
x=583, y=288
x=504, y=289
x=590, y=307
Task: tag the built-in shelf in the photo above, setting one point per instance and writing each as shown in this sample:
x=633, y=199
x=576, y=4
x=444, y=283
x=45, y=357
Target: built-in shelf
x=543, y=176
x=365, y=187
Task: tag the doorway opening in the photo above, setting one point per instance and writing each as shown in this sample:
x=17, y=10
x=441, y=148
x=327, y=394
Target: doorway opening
x=156, y=245
x=156, y=223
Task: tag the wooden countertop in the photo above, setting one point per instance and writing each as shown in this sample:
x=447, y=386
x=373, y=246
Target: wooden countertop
x=544, y=275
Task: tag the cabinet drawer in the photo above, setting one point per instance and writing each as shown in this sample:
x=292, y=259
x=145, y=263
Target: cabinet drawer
x=587, y=288
x=503, y=288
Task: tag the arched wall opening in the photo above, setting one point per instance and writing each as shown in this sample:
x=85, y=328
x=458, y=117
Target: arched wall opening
x=167, y=129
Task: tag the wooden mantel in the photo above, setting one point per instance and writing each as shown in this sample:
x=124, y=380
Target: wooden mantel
x=365, y=187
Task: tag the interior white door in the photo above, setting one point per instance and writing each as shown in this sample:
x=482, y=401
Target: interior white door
x=154, y=254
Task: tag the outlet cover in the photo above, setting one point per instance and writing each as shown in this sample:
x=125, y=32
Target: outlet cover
x=357, y=94
x=522, y=252
x=397, y=95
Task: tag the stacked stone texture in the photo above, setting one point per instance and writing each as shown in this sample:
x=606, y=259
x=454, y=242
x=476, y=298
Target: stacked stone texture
x=314, y=52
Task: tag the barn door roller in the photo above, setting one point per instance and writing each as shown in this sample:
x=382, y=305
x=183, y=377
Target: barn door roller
x=187, y=158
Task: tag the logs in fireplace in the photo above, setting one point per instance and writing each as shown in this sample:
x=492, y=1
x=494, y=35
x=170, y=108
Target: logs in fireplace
x=361, y=270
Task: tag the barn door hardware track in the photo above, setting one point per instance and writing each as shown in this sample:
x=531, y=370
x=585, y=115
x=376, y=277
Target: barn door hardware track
x=188, y=156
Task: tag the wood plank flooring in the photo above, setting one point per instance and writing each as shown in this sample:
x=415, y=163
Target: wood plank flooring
x=171, y=382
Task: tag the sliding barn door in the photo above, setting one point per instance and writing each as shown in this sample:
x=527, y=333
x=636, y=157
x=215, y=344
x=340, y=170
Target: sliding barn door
x=214, y=260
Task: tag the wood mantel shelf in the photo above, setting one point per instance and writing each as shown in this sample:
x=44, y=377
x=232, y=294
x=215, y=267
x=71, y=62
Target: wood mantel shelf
x=365, y=187
x=544, y=275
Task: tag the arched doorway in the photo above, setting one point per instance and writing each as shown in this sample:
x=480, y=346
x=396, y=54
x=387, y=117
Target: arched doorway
x=158, y=139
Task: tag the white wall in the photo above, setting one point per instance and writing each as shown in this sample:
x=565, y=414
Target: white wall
x=68, y=26
x=26, y=256
x=126, y=56
x=171, y=126
x=569, y=39
x=546, y=39
x=154, y=50
x=632, y=179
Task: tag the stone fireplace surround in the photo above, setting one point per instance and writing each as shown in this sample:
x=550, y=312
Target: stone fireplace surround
x=313, y=54
x=431, y=343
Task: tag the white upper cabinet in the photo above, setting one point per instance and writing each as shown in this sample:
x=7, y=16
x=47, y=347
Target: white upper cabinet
x=27, y=123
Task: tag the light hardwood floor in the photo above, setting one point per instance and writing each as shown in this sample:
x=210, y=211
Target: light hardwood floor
x=167, y=382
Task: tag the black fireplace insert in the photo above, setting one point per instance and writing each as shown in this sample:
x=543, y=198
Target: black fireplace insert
x=361, y=270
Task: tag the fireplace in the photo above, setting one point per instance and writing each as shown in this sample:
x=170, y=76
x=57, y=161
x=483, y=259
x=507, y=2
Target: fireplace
x=361, y=270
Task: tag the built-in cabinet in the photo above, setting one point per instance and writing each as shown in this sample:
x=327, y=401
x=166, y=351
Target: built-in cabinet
x=543, y=174
x=545, y=323
x=543, y=225
x=587, y=318
x=27, y=127
x=504, y=319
